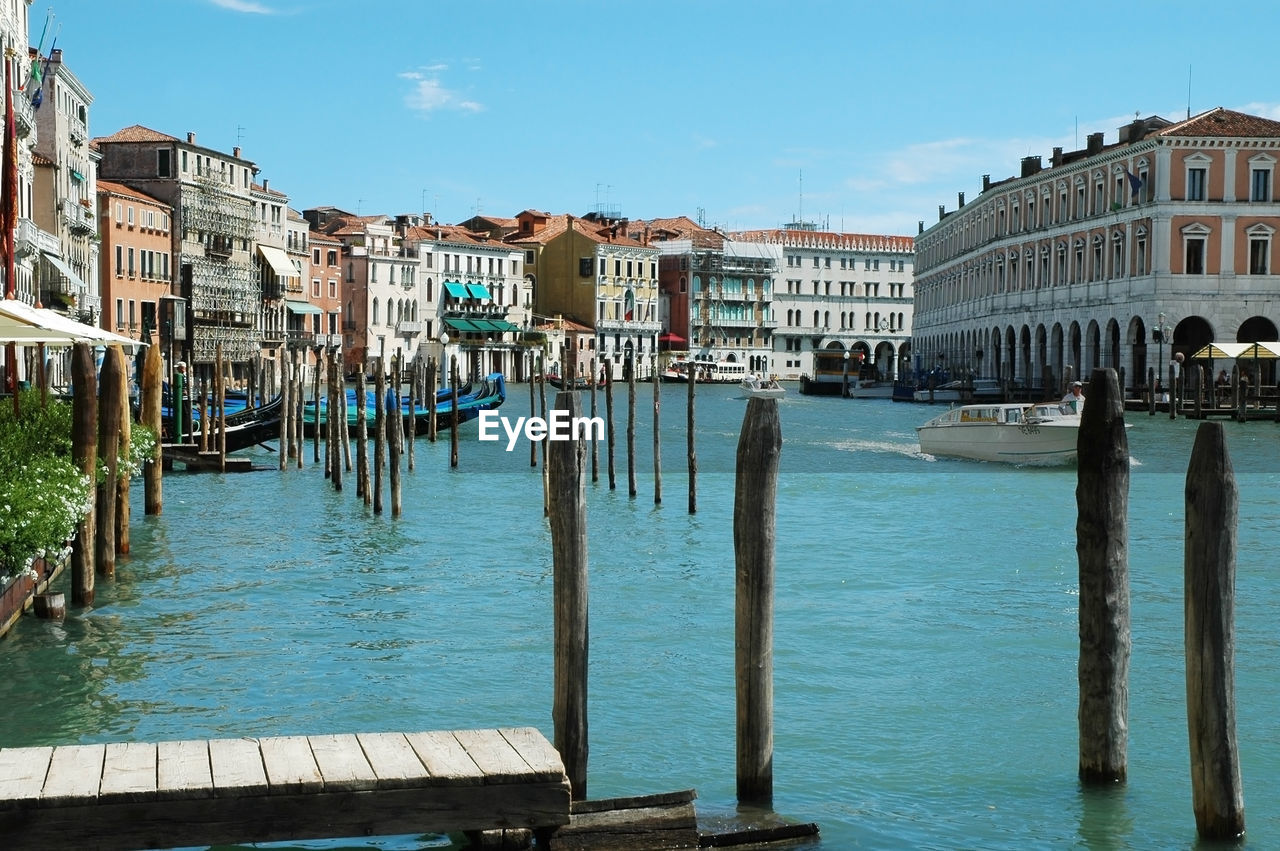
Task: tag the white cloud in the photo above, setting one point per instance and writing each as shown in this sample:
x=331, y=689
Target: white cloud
x=243, y=6
x=428, y=95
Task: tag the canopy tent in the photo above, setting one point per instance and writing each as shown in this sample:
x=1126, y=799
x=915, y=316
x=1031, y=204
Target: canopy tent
x=22, y=323
x=1239, y=351
x=670, y=338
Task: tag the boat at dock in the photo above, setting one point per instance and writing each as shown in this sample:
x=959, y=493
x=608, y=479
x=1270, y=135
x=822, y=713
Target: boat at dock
x=246, y=427
x=473, y=398
x=705, y=371
x=754, y=387
x=1040, y=434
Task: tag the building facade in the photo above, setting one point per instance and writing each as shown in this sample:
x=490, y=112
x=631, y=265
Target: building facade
x=839, y=293
x=1117, y=255
x=137, y=262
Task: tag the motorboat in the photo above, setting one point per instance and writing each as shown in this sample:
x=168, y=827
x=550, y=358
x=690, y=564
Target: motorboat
x=1039, y=434
x=754, y=387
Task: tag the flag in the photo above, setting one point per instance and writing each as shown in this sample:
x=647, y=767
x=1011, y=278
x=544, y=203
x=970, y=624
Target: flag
x=1135, y=182
x=37, y=97
x=35, y=63
x=630, y=305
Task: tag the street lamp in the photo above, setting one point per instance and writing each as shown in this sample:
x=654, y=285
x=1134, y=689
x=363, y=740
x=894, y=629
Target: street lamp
x=846, y=373
x=445, y=375
x=1159, y=334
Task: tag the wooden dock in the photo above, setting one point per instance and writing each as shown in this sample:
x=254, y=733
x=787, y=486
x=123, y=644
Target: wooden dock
x=224, y=791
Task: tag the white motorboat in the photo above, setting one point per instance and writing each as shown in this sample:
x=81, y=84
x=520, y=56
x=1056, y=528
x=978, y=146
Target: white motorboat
x=754, y=387
x=1040, y=434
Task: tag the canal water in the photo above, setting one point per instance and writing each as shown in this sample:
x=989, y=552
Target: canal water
x=925, y=632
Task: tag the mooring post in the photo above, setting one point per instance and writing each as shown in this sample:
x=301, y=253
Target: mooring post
x=533, y=411
x=109, y=403
x=1209, y=611
x=415, y=395
x=657, y=440
x=286, y=408
x=568, y=521
x=453, y=414
x=364, y=487
x=395, y=436
x=754, y=531
x=631, y=426
x=220, y=400
x=1151, y=386
x=432, y=368
x=84, y=448
x=693, y=452
x=542, y=444
x=152, y=390
x=1102, y=550
x=315, y=400
x=340, y=395
x=379, y=431
x=610, y=431
x=122, y=483
x=595, y=444
x=335, y=427
x=1198, y=406
x=1174, y=394
x=299, y=403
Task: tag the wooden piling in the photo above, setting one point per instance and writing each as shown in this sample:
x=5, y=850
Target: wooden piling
x=568, y=521
x=1209, y=617
x=50, y=605
x=109, y=406
x=1151, y=390
x=631, y=426
x=432, y=369
x=610, y=431
x=414, y=397
x=693, y=452
x=453, y=414
x=299, y=404
x=1198, y=380
x=542, y=444
x=395, y=439
x=220, y=401
x=152, y=391
x=203, y=404
x=1174, y=395
x=286, y=410
x=754, y=533
x=595, y=444
x=340, y=394
x=315, y=400
x=533, y=411
x=1102, y=550
x=379, y=431
x=84, y=448
x=657, y=441
x=364, y=488
x=123, y=483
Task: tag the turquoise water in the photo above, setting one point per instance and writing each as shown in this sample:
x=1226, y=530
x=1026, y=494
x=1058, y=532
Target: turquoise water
x=925, y=632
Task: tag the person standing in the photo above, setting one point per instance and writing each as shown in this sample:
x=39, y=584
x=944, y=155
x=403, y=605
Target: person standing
x=1073, y=401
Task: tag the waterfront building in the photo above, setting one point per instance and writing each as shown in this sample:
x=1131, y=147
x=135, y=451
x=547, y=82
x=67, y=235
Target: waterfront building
x=137, y=264
x=838, y=294
x=716, y=294
x=278, y=270
x=592, y=271
x=31, y=240
x=212, y=234
x=1116, y=255
x=67, y=278
x=478, y=303
x=325, y=290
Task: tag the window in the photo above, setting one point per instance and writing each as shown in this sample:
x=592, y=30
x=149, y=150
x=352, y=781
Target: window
x=585, y=265
x=1140, y=255
x=129, y=216
x=163, y=166
x=119, y=261
x=1260, y=185
x=1195, y=184
x=1260, y=248
x=131, y=266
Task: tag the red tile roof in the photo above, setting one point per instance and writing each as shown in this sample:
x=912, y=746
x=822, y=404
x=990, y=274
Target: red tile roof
x=127, y=191
x=827, y=239
x=1220, y=122
x=137, y=133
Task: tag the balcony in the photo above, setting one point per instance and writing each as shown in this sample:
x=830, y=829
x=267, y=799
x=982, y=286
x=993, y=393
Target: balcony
x=24, y=115
x=408, y=327
x=300, y=338
x=30, y=239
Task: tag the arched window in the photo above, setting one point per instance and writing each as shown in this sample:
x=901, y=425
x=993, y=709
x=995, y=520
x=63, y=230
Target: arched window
x=375, y=312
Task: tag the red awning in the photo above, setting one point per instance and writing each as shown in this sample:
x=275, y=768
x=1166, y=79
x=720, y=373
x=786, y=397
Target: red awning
x=670, y=338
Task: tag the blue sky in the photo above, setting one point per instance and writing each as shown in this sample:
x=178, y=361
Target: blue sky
x=863, y=117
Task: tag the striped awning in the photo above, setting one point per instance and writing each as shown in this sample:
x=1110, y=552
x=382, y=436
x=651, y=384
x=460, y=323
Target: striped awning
x=478, y=291
x=455, y=289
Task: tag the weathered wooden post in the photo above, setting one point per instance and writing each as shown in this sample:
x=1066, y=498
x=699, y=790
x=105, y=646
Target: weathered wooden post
x=1209, y=613
x=1174, y=391
x=595, y=444
x=414, y=396
x=315, y=401
x=152, y=390
x=220, y=400
x=395, y=437
x=109, y=405
x=432, y=368
x=693, y=452
x=340, y=395
x=84, y=448
x=542, y=444
x=754, y=532
x=1151, y=388
x=1102, y=550
x=657, y=441
x=568, y=521
x=379, y=431
x=1198, y=407
x=631, y=425
x=286, y=410
x=299, y=404
x=203, y=404
x=533, y=411
x=453, y=414
x=610, y=430
x=123, y=483
x=363, y=487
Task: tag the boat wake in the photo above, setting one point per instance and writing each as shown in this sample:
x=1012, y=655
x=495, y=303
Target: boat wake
x=911, y=450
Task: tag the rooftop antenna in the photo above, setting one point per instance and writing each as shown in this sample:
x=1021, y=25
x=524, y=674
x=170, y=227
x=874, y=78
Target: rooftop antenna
x=359, y=204
x=702, y=217
x=239, y=133
x=1188, y=91
x=800, y=217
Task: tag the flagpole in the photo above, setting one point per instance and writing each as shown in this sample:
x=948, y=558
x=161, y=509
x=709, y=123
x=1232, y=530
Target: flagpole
x=8, y=214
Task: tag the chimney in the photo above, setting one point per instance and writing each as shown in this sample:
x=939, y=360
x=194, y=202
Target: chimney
x=920, y=225
x=235, y=152
x=960, y=200
x=55, y=55
x=1093, y=143
x=191, y=138
x=942, y=212
x=1056, y=159
x=1030, y=166
x=986, y=182
x=645, y=238
x=264, y=184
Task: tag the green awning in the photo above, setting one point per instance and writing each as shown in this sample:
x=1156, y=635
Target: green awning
x=461, y=324
x=75, y=175
x=504, y=325
x=478, y=291
x=300, y=306
x=455, y=290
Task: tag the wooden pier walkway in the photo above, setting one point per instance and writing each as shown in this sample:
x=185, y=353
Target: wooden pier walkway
x=223, y=791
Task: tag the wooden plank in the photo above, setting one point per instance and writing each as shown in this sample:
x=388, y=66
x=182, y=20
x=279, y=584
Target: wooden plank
x=538, y=753
x=128, y=771
x=393, y=759
x=495, y=756
x=342, y=763
x=290, y=765
x=237, y=767
x=445, y=758
x=22, y=772
x=75, y=773
x=182, y=770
